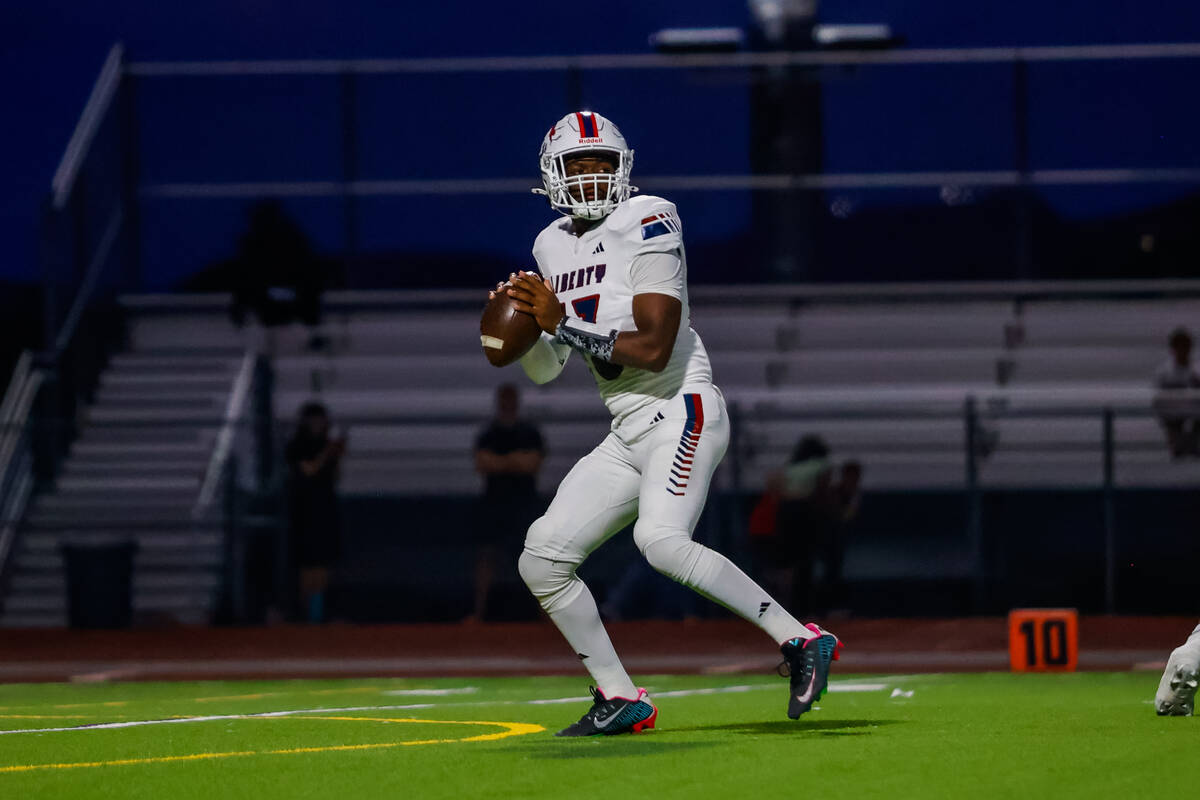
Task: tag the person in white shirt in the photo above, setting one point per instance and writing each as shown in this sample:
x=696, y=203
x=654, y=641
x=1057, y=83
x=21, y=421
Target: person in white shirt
x=1180, y=416
x=613, y=287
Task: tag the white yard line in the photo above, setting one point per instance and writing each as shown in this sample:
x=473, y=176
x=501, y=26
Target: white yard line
x=833, y=687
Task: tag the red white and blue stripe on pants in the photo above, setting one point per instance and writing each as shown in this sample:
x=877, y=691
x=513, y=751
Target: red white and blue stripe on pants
x=681, y=468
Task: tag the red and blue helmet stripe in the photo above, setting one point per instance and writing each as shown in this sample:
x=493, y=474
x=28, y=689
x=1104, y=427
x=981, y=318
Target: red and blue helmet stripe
x=587, y=125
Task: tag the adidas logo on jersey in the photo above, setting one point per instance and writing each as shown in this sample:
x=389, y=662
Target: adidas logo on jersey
x=599, y=248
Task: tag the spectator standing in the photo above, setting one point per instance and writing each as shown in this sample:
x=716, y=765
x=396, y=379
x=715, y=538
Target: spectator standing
x=1179, y=417
x=508, y=454
x=801, y=522
x=314, y=457
x=847, y=498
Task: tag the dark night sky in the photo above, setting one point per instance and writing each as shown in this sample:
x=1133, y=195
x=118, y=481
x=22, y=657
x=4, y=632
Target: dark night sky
x=911, y=118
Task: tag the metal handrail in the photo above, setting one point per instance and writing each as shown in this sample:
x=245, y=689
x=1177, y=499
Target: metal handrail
x=14, y=410
x=88, y=285
x=16, y=464
x=700, y=294
x=665, y=183
x=98, y=102
x=1020, y=177
x=235, y=408
x=19, y=374
x=804, y=58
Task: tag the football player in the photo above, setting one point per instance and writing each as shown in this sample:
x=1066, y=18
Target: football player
x=613, y=287
x=1177, y=689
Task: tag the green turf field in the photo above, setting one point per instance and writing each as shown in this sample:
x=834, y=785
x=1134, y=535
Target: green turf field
x=960, y=736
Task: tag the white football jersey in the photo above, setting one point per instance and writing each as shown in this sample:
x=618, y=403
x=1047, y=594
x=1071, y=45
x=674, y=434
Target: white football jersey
x=596, y=276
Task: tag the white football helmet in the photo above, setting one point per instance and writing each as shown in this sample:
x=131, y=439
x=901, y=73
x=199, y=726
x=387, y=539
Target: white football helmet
x=574, y=134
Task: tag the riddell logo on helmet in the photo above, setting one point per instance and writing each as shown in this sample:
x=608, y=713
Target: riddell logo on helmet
x=592, y=140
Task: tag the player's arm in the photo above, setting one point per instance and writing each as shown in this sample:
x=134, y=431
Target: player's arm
x=655, y=316
x=649, y=347
x=546, y=359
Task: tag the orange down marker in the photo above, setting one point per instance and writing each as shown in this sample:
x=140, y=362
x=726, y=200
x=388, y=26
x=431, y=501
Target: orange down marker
x=1043, y=639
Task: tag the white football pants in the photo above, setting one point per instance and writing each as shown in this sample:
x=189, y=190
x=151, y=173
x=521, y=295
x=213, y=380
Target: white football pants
x=659, y=473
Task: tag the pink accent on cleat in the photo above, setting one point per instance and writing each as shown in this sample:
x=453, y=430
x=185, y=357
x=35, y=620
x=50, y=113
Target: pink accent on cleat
x=819, y=631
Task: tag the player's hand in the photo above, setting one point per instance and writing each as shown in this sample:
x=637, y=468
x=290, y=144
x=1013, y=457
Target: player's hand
x=533, y=295
x=500, y=287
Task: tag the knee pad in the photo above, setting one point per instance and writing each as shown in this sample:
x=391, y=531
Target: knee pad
x=671, y=552
x=549, y=581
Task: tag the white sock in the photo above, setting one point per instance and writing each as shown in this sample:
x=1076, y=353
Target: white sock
x=717, y=578
x=573, y=609
x=579, y=621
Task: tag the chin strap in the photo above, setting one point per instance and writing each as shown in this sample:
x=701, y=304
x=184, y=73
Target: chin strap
x=596, y=344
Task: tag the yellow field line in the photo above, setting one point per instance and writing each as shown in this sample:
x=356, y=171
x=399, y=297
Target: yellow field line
x=510, y=729
x=123, y=762
x=45, y=716
x=513, y=728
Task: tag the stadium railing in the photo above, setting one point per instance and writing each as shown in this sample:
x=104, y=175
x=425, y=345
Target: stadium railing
x=85, y=228
x=113, y=172
x=16, y=454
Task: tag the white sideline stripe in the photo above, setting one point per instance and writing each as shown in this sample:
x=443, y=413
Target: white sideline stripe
x=857, y=687
x=556, y=700
x=431, y=692
x=833, y=687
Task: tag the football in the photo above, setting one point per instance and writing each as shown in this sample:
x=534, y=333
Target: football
x=506, y=333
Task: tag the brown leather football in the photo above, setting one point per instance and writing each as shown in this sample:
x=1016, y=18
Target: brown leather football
x=506, y=333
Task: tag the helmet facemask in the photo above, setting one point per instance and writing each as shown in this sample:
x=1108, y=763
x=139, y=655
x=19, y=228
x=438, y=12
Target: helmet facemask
x=567, y=193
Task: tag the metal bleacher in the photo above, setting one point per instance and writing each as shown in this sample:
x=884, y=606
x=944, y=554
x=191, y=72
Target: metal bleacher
x=885, y=380
x=882, y=379
x=134, y=474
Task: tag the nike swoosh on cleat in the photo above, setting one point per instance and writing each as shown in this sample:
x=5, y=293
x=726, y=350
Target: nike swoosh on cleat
x=607, y=720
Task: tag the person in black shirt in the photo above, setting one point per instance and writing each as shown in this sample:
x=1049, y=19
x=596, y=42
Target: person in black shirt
x=314, y=457
x=508, y=454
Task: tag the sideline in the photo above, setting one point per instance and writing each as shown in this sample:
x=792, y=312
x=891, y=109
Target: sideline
x=834, y=686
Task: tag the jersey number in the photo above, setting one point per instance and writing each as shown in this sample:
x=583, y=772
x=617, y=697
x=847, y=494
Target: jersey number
x=586, y=307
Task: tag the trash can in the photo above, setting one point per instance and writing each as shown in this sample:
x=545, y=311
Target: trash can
x=99, y=584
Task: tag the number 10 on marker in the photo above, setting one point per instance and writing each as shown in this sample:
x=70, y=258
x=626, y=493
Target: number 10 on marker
x=1043, y=639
